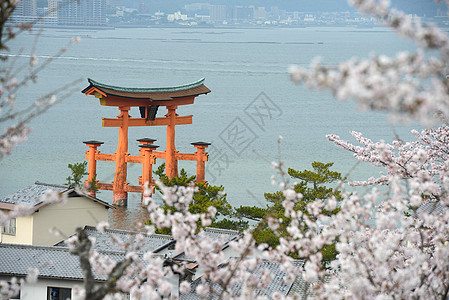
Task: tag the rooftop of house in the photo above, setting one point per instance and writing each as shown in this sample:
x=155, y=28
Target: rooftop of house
x=225, y=235
x=109, y=239
x=215, y=234
x=34, y=195
x=276, y=284
x=432, y=208
x=58, y=263
x=52, y=262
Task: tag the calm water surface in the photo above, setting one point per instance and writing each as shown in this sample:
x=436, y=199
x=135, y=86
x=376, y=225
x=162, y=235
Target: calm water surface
x=238, y=64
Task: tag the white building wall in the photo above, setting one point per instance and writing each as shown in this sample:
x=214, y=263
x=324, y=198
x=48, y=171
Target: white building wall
x=24, y=232
x=65, y=218
x=38, y=290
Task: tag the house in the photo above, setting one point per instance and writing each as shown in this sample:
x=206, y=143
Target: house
x=298, y=289
x=60, y=272
x=105, y=241
x=80, y=209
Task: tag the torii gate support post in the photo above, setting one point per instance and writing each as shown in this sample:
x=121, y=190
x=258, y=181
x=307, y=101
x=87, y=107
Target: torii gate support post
x=120, y=196
x=144, y=142
x=147, y=165
x=171, y=164
x=92, y=167
x=201, y=158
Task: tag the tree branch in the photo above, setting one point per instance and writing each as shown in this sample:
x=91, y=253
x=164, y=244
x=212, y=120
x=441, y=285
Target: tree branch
x=82, y=250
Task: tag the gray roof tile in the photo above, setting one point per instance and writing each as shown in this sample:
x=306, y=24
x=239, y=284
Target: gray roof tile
x=52, y=262
x=104, y=241
x=215, y=234
x=225, y=235
x=305, y=289
x=276, y=285
x=432, y=208
x=32, y=194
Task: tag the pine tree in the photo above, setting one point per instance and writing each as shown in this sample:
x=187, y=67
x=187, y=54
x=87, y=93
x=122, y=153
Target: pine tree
x=312, y=188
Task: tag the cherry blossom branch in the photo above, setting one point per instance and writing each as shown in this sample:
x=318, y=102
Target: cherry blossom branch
x=408, y=87
x=81, y=246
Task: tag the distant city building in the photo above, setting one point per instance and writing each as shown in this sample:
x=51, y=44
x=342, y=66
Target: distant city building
x=296, y=15
x=241, y=13
x=202, y=18
x=52, y=8
x=144, y=8
x=177, y=16
x=309, y=18
x=26, y=8
x=260, y=13
x=197, y=6
x=82, y=12
x=217, y=13
x=27, y=11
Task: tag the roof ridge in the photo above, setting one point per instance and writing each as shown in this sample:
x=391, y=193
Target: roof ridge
x=124, y=231
x=42, y=247
x=65, y=249
x=113, y=230
x=162, y=236
x=147, y=90
x=52, y=185
x=221, y=230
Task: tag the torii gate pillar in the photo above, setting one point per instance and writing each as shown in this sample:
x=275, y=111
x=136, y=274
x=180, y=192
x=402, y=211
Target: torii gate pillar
x=171, y=163
x=120, y=196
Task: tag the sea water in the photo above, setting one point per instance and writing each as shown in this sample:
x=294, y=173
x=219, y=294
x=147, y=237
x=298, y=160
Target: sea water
x=246, y=71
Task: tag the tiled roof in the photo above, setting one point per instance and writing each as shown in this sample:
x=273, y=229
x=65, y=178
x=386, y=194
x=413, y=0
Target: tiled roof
x=300, y=287
x=432, y=208
x=215, y=234
x=164, y=93
x=32, y=195
x=104, y=241
x=225, y=235
x=57, y=262
x=147, y=90
x=305, y=289
x=277, y=284
x=52, y=262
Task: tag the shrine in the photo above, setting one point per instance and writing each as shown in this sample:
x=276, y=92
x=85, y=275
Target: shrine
x=149, y=100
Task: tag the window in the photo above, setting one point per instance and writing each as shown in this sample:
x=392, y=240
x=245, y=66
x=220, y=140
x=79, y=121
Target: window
x=10, y=227
x=57, y=293
x=15, y=296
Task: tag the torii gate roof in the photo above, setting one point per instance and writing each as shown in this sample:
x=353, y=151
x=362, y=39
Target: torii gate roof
x=153, y=94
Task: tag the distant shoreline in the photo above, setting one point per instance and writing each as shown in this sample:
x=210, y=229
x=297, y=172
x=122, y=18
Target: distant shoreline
x=165, y=26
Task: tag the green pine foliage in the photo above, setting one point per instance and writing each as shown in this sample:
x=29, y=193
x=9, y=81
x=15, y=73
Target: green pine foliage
x=311, y=186
x=79, y=170
x=251, y=212
x=206, y=196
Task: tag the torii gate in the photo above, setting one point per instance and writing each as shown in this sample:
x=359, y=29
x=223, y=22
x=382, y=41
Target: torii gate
x=148, y=100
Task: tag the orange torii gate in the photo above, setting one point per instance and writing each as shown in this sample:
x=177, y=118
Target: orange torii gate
x=148, y=100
